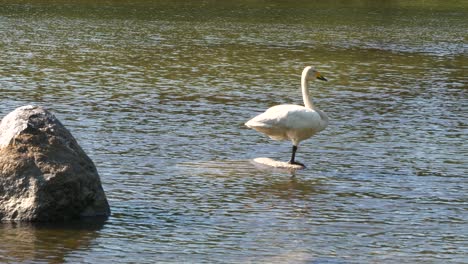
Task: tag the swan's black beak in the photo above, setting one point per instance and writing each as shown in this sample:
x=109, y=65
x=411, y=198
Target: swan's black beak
x=320, y=77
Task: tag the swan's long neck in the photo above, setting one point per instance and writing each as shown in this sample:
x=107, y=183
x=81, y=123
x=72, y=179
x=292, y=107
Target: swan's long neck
x=305, y=91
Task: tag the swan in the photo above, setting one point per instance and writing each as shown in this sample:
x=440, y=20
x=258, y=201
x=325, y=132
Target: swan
x=293, y=122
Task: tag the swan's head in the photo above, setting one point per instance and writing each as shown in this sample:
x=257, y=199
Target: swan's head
x=311, y=74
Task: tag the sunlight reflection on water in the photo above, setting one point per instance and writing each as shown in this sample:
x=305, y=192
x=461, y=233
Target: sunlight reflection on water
x=158, y=101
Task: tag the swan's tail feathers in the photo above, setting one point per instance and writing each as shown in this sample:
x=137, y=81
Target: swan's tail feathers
x=259, y=126
x=253, y=124
x=267, y=129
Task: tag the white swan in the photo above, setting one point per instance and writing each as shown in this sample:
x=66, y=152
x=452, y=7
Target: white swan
x=293, y=122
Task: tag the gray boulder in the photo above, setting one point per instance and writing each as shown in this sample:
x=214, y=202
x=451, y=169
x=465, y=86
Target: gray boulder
x=44, y=173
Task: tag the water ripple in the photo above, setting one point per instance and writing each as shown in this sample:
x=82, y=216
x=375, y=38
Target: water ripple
x=157, y=96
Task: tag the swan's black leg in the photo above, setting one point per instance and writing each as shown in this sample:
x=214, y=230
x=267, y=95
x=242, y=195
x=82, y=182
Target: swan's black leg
x=294, y=149
x=293, y=157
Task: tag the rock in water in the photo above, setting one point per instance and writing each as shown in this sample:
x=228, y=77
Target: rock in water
x=44, y=173
x=277, y=164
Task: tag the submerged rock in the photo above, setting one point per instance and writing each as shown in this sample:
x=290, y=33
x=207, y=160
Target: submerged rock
x=44, y=174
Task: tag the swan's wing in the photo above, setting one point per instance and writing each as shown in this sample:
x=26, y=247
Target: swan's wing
x=304, y=119
x=287, y=117
x=273, y=117
x=271, y=122
x=283, y=121
x=280, y=120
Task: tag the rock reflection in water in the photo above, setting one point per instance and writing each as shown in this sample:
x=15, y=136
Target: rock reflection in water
x=25, y=242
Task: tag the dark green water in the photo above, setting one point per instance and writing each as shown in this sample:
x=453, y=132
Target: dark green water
x=157, y=92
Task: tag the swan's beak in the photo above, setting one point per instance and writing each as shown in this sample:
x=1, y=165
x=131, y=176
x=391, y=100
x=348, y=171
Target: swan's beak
x=320, y=77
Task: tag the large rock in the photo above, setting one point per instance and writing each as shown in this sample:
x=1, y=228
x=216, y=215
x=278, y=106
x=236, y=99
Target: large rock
x=44, y=173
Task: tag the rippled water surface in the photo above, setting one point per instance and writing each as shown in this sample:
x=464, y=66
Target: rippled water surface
x=157, y=92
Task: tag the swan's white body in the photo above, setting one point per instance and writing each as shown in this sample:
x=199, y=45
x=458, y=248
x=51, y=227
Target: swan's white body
x=293, y=122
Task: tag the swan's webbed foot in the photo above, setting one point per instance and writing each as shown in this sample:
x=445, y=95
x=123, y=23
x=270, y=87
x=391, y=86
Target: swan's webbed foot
x=293, y=156
x=296, y=163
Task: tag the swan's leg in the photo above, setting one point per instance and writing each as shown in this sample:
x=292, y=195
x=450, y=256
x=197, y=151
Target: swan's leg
x=294, y=149
x=293, y=157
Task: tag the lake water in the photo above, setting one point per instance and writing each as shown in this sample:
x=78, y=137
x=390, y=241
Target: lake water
x=157, y=92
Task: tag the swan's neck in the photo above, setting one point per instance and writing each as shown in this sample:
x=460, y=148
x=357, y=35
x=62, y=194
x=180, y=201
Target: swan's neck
x=305, y=92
